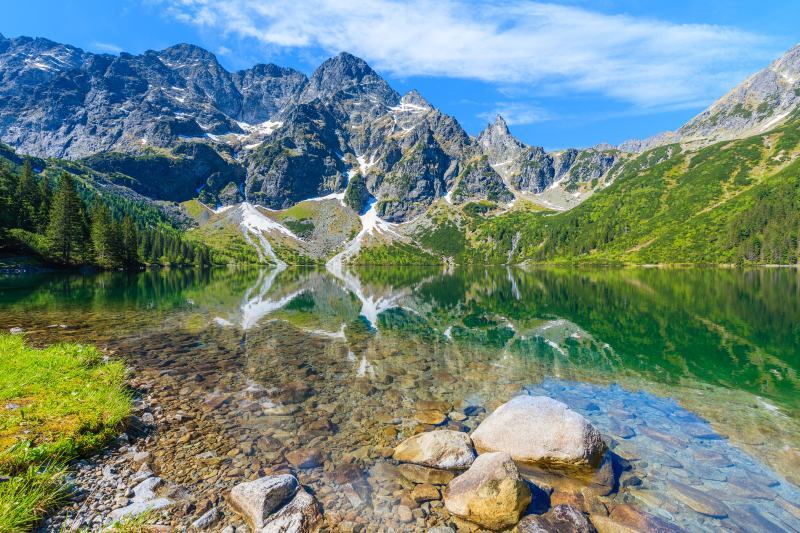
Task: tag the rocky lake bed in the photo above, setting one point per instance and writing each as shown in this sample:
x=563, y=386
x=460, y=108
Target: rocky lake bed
x=291, y=425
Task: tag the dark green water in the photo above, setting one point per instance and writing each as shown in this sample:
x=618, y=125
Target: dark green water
x=723, y=344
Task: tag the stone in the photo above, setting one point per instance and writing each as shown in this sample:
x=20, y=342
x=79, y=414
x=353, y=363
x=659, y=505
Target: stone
x=207, y=519
x=257, y=500
x=604, y=524
x=141, y=457
x=424, y=474
x=491, y=493
x=144, y=499
x=698, y=500
x=437, y=449
x=433, y=418
x=306, y=458
x=302, y=515
x=637, y=520
x=16, y=331
x=538, y=429
x=404, y=514
x=425, y=492
x=561, y=518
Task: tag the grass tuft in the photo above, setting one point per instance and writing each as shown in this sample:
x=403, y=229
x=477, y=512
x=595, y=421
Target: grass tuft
x=56, y=404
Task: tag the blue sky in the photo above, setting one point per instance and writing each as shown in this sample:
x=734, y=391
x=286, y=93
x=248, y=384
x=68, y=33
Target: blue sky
x=563, y=73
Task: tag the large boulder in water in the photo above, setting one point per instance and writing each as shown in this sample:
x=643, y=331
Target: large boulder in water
x=257, y=500
x=445, y=449
x=491, y=493
x=540, y=430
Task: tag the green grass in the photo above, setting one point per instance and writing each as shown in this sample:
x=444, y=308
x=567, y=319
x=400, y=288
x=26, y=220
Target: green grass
x=68, y=402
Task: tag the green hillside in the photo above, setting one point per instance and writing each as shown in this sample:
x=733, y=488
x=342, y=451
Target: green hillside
x=732, y=202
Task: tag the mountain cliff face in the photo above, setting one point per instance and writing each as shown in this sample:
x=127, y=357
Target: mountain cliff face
x=174, y=124
x=531, y=170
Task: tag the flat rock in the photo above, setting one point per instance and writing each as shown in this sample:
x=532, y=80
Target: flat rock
x=424, y=474
x=561, y=518
x=257, y=500
x=444, y=448
x=434, y=418
x=306, y=458
x=698, y=500
x=491, y=493
x=424, y=492
x=538, y=429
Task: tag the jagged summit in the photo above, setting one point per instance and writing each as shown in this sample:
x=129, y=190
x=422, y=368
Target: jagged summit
x=343, y=72
x=413, y=97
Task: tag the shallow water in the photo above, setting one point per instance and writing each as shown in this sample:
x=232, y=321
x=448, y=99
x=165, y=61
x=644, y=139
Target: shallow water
x=692, y=374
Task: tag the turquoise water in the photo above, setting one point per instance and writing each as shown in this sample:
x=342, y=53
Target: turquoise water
x=675, y=366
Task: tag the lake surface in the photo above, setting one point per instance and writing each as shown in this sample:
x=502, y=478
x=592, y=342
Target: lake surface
x=692, y=374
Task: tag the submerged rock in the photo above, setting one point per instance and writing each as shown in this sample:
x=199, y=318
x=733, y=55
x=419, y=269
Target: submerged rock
x=491, y=493
x=538, y=429
x=424, y=474
x=445, y=449
x=561, y=518
x=698, y=500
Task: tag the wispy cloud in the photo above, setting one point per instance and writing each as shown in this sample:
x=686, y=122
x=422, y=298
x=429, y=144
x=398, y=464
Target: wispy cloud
x=105, y=47
x=517, y=113
x=644, y=61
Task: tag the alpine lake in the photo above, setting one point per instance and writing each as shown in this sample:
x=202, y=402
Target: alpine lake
x=692, y=376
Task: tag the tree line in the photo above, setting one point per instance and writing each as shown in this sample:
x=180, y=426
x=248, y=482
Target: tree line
x=55, y=222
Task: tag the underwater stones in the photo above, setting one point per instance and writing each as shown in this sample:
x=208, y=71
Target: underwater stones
x=444, y=449
x=631, y=517
x=433, y=418
x=306, y=458
x=424, y=474
x=538, y=429
x=697, y=500
x=143, y=500
x=561, y=518
x=257, y=500
x=491, y=493
x=425, y=492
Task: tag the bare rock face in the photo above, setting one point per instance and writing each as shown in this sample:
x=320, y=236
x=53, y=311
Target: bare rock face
x=540, y=430
x=257, y=500
x=491, y=493
x=444, y=449
x=561, y=518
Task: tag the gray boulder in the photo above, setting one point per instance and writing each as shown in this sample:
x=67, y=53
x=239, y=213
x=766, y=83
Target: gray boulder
x=540, y=430
x=257, y=500
x=444, y=449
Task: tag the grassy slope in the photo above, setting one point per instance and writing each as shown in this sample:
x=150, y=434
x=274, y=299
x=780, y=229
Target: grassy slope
x=667, y=206
x=71, y=403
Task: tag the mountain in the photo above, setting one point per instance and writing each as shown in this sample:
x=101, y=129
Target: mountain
x=761, y=102
x=174, y=125
x=338, y=166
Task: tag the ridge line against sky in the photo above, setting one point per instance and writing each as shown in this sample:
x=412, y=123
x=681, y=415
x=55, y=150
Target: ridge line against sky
x=571, y=73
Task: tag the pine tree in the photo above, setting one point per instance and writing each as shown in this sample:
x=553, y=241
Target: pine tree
x=27, y=198
x=8, y=205
x=103, y=238
x=130, y=243
x=43, y=209
x=66, y=230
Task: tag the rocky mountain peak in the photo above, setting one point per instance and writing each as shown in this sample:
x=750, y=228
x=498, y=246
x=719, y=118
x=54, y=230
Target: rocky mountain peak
x=344, y=72
x=414, y=98
x=497, y=142
x=187, y=52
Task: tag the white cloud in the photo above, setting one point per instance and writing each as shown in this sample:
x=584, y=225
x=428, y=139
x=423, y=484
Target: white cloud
x=648, y=62
x=106, y=47
x=517, y=113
